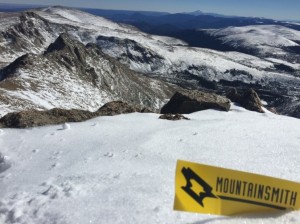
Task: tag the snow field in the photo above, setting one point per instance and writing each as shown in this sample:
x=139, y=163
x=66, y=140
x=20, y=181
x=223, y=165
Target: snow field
x=121, y=169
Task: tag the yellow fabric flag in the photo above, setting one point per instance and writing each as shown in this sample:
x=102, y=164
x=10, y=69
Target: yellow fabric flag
x=214, y=190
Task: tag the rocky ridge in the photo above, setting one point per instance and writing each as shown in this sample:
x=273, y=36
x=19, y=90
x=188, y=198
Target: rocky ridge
x=69, y=73
x=34, y=118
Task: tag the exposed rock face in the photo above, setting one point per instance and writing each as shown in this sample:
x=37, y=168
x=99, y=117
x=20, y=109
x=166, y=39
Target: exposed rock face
x=130, y=52
x=33, y=118
x=233, y=95
x=192, y=101
x=119, y=107
x=27, y=33
x=70, y=75
x=249, y=99
x=173, y=117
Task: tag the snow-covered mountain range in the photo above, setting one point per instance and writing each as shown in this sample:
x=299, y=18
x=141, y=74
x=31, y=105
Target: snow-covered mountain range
x=165, y=58
x=263, y=40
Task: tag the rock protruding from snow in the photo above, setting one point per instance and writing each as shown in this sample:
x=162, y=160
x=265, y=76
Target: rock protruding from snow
x=233, y=95
x=119, y=107
x=33, y=118
x=192, y=101
x=173, y=117
x=249, y=99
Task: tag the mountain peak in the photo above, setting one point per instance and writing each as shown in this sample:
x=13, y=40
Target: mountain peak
x=21, y=61
x=63, y=42
x=195, y=13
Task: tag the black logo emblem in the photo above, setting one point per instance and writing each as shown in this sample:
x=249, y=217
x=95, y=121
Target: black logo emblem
x=197, y=196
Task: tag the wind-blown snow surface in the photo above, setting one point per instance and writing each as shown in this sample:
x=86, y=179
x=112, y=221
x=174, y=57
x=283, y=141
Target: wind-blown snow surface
x=121, y=169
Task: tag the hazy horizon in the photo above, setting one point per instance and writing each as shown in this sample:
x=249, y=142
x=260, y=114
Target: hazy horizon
x=273, y=9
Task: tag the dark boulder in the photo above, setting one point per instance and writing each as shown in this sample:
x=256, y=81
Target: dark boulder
x=33, y=118
x=173, y=117
x=192, y=101
x=233, y=95
x=249, y=99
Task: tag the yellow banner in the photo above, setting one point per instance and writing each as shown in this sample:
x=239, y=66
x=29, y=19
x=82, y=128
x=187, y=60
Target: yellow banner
x=213, y=190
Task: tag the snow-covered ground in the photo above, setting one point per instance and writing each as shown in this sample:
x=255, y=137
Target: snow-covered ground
x=121, y=169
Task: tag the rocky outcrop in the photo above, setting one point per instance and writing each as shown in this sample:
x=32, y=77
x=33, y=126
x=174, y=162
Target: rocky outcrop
x=249, y=99
x=119, y=107
x=191, y=101
x=173, y=117
x=233, y=95
x=34, y=118
x=10, y=70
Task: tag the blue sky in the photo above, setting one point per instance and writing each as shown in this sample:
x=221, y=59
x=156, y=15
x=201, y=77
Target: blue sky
x=277, y=9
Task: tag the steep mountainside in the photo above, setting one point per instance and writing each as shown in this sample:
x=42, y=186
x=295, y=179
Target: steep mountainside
x=71, y=75
x=27, y=32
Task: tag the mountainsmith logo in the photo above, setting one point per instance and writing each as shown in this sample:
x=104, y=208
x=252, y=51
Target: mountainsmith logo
x=191, y=175
x=239, y=191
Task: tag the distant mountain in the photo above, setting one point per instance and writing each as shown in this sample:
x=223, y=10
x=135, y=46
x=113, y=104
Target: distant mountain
x=200, y=13
x=116, y=13
x=184, y=21
x=195, y=13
